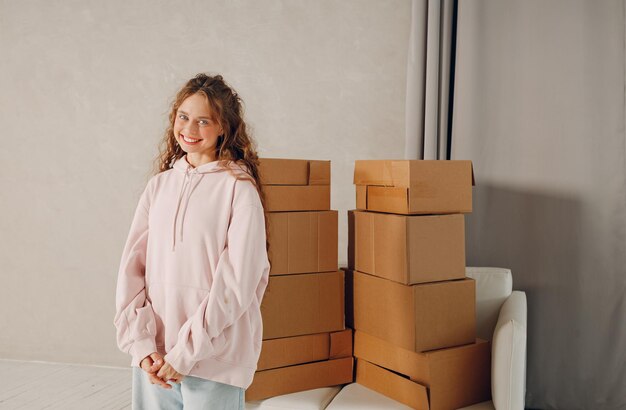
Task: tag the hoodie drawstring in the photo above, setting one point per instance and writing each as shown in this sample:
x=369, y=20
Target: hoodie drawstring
x=182, y=218
x=188, y=174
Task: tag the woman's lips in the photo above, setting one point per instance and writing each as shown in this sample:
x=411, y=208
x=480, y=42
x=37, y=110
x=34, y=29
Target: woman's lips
x=189, y=142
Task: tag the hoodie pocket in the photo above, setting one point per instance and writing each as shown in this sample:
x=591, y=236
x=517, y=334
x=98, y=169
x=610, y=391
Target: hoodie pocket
x=219, y=343
x=239, y=346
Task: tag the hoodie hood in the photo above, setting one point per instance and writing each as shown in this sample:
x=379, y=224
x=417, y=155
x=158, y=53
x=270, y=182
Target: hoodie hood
x=191, y=178
x=181, y=164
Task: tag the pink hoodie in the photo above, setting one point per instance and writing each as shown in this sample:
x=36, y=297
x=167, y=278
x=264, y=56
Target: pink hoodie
x=193, y=273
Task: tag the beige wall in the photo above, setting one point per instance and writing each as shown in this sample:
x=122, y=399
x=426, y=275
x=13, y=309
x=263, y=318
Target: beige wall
x=539, y=109
x=85, y=88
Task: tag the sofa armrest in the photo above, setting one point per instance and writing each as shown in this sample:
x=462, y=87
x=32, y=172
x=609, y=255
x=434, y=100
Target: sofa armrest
x=508, y=357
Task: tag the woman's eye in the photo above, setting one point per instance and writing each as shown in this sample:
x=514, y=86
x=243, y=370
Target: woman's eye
x=182, y=116
x=204, y=122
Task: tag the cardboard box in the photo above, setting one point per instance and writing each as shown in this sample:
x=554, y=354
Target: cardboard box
x=288, y=351
x=295, y=184
x=392, y=385
x=415, y=317
x=456, y=377
x=410, y=249
x=414, y=186
x=292, y=379
x=303, y=304
x=303, y=242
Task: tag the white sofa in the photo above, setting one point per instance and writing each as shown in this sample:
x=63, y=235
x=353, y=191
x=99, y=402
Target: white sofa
x=500, y=317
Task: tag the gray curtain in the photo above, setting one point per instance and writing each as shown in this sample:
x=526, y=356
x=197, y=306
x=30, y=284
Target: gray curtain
x=539, y=108
x=429, y=68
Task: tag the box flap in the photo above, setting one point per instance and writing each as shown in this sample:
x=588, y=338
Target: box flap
x=319, y=172
x=386, y=354
x=389, y=199
x=340, y=344
x=456, y=377
x=361, y=196
x=391, y=385
x=460, y=376
x=381, y=172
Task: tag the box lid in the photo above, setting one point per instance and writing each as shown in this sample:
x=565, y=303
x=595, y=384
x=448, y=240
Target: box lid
x=410, y=173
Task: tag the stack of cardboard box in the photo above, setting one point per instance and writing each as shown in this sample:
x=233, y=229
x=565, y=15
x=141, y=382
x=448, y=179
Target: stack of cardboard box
x=413, y=309
x=305, y=342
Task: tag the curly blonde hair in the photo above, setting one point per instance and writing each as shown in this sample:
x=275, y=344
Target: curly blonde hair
x=234, y=145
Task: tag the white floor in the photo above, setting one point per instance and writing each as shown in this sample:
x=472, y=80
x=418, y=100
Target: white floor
x=38, y=385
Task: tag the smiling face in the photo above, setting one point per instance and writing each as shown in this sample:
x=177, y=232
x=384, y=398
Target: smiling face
x=196, y=129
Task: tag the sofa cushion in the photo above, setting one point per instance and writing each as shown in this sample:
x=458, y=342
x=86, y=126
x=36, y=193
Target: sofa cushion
x=357, y=397
x=493, y=287
x=485, y=405
x=315, y=399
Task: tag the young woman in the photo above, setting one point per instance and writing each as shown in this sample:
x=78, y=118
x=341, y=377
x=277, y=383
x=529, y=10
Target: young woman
x=195, y=265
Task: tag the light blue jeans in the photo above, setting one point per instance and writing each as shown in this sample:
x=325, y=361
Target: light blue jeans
x=192, y=393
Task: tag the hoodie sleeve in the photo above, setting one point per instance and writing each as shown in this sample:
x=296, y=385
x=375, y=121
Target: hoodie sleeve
x=240, y=278
x=134, y=317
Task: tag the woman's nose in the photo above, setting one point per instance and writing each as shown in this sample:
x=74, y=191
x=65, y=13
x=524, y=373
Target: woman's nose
x=190, y=129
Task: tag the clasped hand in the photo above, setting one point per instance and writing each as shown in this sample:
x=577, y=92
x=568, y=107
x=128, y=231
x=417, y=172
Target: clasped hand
x=159, y=371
